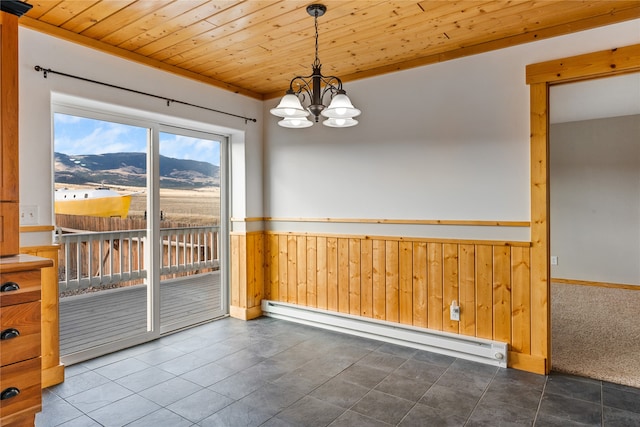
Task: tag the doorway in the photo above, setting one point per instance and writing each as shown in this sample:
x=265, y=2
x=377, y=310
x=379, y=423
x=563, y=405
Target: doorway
x=540, y=77
x=594, y=169
x=141, y=220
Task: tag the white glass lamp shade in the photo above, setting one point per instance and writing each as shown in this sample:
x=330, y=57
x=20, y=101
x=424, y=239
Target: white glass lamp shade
x=295, y=122
x=340, y=122
x=340, y=107
x=289, y=107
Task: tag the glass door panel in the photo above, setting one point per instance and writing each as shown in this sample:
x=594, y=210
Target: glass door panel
x=100, y=205
x=190, y=177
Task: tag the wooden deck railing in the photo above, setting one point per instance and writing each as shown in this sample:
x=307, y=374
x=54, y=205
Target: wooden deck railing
x=189, y=249
x=94, y=259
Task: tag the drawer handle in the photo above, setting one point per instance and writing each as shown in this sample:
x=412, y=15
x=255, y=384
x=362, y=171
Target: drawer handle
x=9, y=286
x=10, y=392
x=7, y=334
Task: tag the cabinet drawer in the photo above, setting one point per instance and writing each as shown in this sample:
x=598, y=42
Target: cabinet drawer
x=27, y=281
x=25, y=378
x=19, y=332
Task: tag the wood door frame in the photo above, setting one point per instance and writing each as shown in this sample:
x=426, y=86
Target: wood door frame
x=540, y=77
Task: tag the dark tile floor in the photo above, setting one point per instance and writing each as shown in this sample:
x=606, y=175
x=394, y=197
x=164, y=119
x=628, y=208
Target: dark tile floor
x=270, y=372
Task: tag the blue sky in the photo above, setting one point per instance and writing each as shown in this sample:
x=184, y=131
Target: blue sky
x=78, y=135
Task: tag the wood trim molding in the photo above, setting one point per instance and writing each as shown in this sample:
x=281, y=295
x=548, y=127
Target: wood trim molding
x=244, y=233
x=527, y=362
x=482, y=223
x=249, y=219
x=53, y=375
x=587, y=66
x=39, y=248
x=540, y=268
x=597, y=284
x=540, y=77
x=245, y=313
x=407, y=221
x=497, y=223
x=36, y=228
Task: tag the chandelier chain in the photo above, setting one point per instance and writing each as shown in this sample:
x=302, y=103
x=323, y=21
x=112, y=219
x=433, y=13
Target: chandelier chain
x=316, y=63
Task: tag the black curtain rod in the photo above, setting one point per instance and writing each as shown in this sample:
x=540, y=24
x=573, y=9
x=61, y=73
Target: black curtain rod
x=46, y=71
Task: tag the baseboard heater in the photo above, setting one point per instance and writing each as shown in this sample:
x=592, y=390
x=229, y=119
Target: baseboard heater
x=461, y=346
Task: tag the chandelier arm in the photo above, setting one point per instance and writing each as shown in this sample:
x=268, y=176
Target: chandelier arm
x=326, y=89
x=305, y=85
x=329, y=83
x=332, y=84
x=307, y=81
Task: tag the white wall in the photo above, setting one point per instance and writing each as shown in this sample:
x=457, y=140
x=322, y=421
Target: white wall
x=595, y=199
x=36, y=164
x=618, y=95
x=445, y=141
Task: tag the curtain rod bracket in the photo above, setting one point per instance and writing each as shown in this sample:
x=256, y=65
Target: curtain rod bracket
x=45, y=72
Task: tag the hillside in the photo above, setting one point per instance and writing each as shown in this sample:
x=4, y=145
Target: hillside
x=129, y=169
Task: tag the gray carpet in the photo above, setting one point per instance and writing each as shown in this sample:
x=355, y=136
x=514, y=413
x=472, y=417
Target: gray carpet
x=596, y=332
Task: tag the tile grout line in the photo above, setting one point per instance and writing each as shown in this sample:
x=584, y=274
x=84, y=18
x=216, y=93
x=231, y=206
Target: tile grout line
x=544, y=388
x=320, y=385
x=133, y=392
x=370, y=388
x=493, y=377
x=376, y=385
x=602, y=403
x=426, y=391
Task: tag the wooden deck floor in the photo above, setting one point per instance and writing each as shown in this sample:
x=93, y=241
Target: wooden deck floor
x=101, y=317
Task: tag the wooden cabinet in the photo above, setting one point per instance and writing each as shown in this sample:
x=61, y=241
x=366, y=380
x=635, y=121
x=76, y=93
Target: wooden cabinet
x=20, y=337
x=9, y=191
x=20, y=275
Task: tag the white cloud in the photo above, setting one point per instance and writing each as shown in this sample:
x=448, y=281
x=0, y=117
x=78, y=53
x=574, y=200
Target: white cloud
x=78, y=135
x=85, y=136
x=185, y=147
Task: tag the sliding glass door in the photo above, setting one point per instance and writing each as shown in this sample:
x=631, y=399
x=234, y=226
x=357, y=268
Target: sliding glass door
x=140, y=218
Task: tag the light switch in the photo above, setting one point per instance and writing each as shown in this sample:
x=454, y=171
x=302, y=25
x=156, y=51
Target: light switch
x=28, y=214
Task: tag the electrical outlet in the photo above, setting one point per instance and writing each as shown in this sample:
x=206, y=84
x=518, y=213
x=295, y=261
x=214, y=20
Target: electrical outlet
x=554, y=260
x=455, y=311
x=28, y=215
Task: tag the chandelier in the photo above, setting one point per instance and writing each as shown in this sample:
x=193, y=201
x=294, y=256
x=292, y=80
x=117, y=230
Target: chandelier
x=312, y=90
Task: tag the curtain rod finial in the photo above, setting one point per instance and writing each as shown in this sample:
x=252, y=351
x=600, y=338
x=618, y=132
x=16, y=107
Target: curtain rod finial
x=44, y=71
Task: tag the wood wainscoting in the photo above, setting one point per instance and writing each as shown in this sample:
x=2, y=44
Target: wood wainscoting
x=405, y=280
x=247, y=274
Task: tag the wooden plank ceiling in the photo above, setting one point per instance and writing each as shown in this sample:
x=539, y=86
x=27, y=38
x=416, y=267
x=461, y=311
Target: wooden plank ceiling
x=255, y=47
